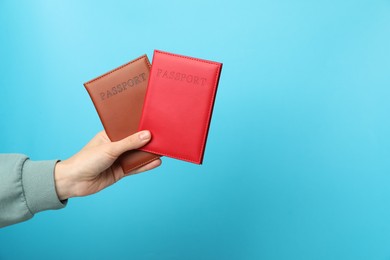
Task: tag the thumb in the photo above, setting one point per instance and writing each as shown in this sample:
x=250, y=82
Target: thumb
x=131, y=142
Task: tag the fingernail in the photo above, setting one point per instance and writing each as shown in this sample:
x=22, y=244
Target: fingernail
x=144, y=135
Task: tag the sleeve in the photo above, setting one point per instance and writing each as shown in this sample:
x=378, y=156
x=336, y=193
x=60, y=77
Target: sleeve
x=26, y=187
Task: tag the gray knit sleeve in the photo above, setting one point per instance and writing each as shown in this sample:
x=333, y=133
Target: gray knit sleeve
x=26, y=187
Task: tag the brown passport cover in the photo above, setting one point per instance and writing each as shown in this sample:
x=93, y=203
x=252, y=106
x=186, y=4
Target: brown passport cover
x=118, y=97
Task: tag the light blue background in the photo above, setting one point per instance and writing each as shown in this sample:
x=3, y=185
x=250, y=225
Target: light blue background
x=297, y=164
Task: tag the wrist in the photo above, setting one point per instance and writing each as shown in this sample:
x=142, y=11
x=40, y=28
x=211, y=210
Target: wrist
x=63, y=182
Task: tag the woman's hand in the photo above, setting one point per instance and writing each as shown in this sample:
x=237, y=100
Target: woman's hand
x=95, y=168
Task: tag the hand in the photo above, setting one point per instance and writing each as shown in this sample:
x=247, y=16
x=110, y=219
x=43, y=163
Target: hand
x=95, y=168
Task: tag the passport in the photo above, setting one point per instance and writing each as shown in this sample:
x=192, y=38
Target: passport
x=118, y=97
x=179, y=104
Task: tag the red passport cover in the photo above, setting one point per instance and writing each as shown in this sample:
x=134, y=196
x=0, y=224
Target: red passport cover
x=179, y=104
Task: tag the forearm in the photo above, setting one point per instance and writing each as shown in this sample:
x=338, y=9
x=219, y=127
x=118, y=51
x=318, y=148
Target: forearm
x=64, y=186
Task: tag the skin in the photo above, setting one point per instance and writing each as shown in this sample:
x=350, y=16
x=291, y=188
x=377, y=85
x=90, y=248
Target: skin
x=94, y=167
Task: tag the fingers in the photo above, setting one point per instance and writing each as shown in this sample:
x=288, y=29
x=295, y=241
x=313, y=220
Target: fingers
x=134, y=141
x=147, y=167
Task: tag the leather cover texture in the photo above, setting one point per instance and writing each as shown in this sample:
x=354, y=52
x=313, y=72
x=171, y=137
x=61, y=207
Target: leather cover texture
x=179, y=104
x=118, y=97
